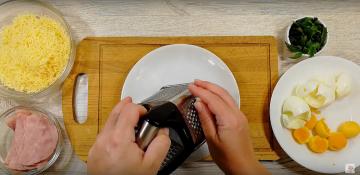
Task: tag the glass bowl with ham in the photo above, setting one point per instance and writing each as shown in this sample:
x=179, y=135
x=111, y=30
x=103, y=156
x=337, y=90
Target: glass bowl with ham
x=30, y=140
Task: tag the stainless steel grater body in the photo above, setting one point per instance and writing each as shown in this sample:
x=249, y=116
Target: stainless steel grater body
x=184, y=125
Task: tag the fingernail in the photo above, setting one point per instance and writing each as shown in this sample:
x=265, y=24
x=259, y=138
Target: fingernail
x=126, y=99
x=198, y=106
x=197, y=81
x=166, y=131
x=197, y=99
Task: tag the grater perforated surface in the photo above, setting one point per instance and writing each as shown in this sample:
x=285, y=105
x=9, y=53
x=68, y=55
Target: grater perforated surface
x=192, y=120
x=174, y=151
x=182, y=98
x=167, y=93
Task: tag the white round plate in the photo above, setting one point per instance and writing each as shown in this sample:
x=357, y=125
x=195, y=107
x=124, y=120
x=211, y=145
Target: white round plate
x=337, y=112
x=176, y=64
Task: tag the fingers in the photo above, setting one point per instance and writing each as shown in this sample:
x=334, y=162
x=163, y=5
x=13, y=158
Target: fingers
x=221, y=92
x=216, y=105
x=157, y=149
x=130, y=115
x=111, y=122
x=206, y=120
x=128, y=119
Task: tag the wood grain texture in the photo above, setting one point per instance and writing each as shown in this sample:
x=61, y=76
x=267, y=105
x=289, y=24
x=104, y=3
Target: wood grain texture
x=83, y=136
x=107, y=61
x=211, y=17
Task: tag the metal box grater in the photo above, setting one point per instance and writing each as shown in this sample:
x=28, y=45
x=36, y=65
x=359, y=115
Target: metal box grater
x=172, y=107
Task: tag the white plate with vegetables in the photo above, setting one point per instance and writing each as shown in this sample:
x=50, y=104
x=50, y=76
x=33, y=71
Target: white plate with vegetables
x=315, y=111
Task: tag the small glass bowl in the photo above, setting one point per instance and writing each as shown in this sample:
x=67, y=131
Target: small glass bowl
x=6, y=136
x=9, y=10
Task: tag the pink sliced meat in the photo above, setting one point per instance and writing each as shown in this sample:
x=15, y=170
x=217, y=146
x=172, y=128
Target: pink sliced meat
x=11, y=121
x=35, y=166
x=38, y=149
x=12, y=158
x=38, y=165
x=34, y=141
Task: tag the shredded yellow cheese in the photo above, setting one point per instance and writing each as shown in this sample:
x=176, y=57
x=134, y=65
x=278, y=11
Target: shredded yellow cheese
x=34, y=51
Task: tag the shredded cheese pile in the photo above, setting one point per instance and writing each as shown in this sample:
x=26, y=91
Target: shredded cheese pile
x=34, y=51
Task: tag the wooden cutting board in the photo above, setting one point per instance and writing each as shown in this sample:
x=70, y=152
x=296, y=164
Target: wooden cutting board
x=107, y=61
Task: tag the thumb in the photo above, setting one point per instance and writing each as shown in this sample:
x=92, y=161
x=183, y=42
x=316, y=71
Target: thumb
x=158, y=149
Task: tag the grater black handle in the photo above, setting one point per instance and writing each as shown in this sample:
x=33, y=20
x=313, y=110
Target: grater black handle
x=165, y=114
x=156, y=118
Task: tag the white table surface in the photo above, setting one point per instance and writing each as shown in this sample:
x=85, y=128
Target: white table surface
x=203, y=18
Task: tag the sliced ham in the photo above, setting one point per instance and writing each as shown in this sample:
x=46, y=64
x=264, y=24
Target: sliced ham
x=11, y=122
x=38, y=149
x=34, y=141
x=12, y=157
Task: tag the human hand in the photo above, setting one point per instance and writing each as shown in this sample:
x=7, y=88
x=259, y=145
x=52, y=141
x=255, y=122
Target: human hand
x=115, y=151
x=226, y=129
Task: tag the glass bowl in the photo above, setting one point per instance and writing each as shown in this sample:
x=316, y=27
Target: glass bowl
x=6, y=136
x=9, y=10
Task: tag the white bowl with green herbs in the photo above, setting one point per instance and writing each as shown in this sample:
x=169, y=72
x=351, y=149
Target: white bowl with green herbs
x=306, y=37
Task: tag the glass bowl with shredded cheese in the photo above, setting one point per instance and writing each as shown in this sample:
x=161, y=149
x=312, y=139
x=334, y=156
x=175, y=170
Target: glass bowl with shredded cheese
x=36, y=50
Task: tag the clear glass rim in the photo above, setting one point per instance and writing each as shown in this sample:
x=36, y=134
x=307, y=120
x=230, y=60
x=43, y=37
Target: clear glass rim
x=59, y=144
x=8, y=92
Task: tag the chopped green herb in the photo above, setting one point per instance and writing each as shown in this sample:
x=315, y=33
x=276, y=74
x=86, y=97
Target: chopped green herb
x=296, y=55
x=307, y=36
